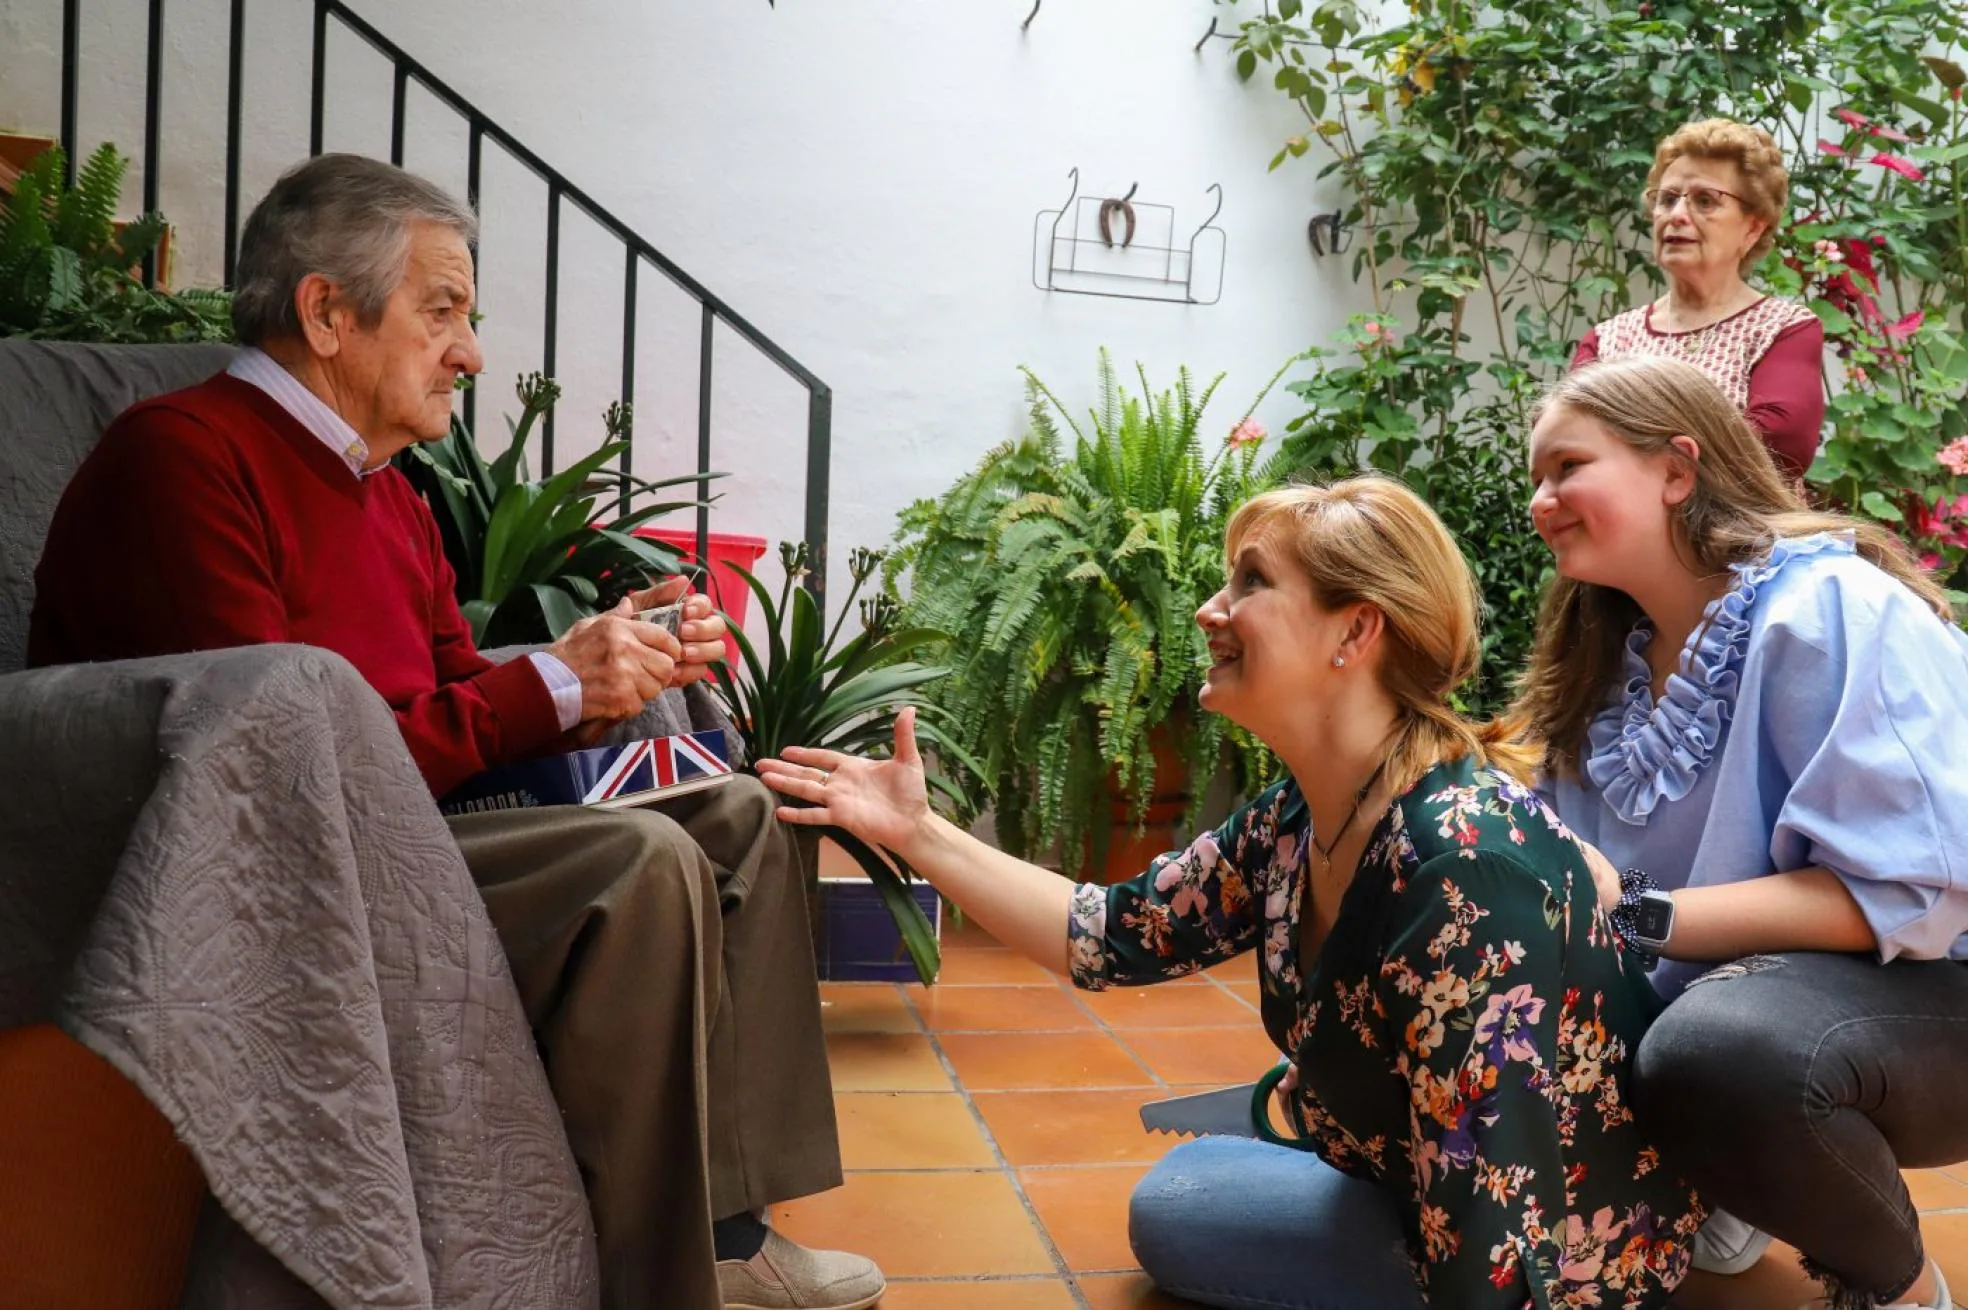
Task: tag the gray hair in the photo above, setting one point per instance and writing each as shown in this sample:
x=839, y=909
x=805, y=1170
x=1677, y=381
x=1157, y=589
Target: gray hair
x=346, y=217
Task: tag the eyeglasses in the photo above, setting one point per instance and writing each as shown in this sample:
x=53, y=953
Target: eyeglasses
x=1703, y=201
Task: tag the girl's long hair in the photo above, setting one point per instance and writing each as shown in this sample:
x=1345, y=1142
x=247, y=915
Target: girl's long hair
x=1740, y=507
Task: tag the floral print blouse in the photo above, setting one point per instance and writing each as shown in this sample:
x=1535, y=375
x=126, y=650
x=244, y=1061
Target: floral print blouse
x=1463, y=1038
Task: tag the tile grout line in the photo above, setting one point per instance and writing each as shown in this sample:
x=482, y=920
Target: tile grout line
x=997, y=1153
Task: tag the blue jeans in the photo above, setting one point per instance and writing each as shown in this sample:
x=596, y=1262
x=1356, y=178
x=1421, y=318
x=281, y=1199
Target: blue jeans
x=1250, y=1226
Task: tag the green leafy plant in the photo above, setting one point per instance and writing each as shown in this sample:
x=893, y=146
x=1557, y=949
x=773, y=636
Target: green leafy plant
x=808, y=692
x=67, y=267
x=1068, y=579
x=530, y=556
x=1493, y=158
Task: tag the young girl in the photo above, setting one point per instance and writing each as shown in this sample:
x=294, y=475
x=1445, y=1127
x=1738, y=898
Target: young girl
x=1433, y=954
x=1761, y=714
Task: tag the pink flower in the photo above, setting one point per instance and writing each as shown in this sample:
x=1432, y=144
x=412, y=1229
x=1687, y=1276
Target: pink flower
x=1859, y=377
x=1831, y=148
x=1930, y=561
x=1954, y=457
x=1906, y=327
x=1247, y=433
x=1372, y=329
x=1851, y=119
x=1906, y=168
x=1889, y=133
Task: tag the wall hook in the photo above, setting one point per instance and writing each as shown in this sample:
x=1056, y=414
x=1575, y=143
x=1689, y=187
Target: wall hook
x=1124, y=248
x=1029, y=17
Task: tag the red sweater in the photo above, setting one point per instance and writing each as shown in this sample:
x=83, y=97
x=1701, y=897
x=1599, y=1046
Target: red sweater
x=1786, y=393
x=211, y=518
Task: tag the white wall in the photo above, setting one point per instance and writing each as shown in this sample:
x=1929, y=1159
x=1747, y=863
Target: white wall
x=859, y=178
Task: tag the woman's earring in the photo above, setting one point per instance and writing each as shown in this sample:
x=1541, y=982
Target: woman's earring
x=1339, y=661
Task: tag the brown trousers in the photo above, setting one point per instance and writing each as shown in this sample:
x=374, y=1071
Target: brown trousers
x=666, y=964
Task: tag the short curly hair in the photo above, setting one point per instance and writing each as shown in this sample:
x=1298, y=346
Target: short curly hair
x=1754, y=152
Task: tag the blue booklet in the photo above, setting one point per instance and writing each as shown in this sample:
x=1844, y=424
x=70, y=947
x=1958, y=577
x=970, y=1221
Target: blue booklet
x=608, y=777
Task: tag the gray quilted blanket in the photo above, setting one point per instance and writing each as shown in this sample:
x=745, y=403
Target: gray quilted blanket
x=222, y=873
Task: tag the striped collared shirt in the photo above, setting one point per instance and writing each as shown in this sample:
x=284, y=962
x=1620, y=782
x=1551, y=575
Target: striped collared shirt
x=261, y=369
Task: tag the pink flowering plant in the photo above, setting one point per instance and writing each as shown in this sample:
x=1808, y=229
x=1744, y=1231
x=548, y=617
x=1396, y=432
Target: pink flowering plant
x=1882, y=255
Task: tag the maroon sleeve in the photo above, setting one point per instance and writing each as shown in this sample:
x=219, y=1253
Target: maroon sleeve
x=1786, y=395
x=1588, y=350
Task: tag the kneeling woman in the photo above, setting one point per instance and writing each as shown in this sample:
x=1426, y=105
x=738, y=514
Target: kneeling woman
x=1434, y=957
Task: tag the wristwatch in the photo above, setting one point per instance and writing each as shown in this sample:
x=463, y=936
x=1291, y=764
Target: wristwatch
x=1653, y=921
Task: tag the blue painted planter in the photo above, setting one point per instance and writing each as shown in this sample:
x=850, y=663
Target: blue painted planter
x=858, y=940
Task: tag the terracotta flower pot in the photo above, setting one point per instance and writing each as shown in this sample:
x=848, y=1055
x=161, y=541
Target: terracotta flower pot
x=1130, y=852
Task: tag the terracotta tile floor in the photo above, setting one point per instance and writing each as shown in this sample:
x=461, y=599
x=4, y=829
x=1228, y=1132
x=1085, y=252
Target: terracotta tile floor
x=990, y=1134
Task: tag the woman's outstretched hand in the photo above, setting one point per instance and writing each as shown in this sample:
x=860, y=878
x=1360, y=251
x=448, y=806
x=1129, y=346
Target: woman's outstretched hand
x=883, y=802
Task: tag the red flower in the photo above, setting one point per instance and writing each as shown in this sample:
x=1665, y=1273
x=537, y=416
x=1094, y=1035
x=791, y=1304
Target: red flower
x=1831, y=148
x=1904, y=167
x=1851, y=119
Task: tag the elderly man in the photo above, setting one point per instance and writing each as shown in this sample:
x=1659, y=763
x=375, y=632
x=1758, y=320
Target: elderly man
x=663, y=955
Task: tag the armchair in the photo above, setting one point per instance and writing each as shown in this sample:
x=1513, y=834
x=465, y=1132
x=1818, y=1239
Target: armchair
x=242, y=966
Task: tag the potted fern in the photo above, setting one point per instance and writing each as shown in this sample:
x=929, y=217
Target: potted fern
x=68, y=267
x=1067, y=569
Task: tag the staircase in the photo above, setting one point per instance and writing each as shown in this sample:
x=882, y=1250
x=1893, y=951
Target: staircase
x=332, y=18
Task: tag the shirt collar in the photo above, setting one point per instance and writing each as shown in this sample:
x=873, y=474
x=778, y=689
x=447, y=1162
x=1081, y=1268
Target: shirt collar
x=255, y=366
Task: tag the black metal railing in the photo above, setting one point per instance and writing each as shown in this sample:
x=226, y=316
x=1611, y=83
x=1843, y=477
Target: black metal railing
x=560, y=192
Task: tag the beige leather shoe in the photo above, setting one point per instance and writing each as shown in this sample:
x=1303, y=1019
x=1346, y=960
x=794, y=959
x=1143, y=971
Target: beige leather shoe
x=787, y=1276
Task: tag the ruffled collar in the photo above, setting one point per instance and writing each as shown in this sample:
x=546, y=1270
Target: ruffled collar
x=1641, y=753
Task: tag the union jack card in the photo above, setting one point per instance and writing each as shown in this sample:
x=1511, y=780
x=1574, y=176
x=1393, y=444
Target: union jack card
x=607, y=777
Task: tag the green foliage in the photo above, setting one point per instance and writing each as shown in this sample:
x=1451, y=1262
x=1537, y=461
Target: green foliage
x=1495, y=156
x=66, y=270
x=810, y=694
x=530, y=557
x=1069, y=582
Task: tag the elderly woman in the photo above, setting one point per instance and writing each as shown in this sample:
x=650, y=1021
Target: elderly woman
x=1715, y=194
x=1432, y=951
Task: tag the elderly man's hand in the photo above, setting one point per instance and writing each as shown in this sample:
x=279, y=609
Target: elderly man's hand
x=621, y=663
x=702, y=629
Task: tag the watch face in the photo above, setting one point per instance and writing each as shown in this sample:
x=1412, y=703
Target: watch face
x=1655, y=918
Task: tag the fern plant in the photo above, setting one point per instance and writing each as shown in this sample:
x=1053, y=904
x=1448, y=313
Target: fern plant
x=1068, y=578
x=67, y=271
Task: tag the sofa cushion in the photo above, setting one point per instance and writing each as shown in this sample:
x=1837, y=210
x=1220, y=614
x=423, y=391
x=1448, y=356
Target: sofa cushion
x=55, y=400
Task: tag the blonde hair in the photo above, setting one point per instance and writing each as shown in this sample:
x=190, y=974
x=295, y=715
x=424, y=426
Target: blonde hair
x=1754, y=152
x=1740, y=507
x=1370, y=540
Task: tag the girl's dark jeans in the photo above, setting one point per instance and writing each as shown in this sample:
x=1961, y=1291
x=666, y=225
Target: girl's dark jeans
x=1792, y=1089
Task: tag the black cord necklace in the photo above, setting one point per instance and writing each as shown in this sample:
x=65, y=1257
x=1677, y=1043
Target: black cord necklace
x=1325, y=849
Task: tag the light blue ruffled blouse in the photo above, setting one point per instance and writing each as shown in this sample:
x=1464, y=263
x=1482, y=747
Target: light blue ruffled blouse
x=1818, y=716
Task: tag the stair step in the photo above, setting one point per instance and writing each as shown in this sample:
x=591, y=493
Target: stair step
x=17, y=151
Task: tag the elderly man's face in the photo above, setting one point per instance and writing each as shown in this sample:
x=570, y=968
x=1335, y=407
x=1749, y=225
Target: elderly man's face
x=397, y=378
